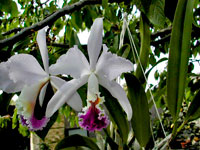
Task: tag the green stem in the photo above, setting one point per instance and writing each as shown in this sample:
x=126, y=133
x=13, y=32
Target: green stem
x=181, y=126
x=177, y=129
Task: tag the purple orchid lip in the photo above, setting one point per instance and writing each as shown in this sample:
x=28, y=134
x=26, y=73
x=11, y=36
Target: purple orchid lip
x=94, y=118
x=38, y=124
x=33, y=123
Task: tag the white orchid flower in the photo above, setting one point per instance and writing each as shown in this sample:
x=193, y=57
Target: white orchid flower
x=101, y=70
x=23, y=73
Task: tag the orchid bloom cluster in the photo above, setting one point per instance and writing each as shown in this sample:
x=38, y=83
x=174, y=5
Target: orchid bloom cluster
x=23, y=73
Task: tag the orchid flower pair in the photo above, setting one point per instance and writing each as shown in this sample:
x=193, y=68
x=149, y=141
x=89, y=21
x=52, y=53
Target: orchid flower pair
x=23, y=73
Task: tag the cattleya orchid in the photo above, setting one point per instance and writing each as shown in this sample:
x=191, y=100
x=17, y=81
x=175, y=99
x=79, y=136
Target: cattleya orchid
x=101, y=70
x=23, y=73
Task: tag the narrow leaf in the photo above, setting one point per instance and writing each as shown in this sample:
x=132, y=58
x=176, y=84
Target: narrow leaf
x=144, y=48
x=194, y=108
x=75, y=141
x=178, y=56
x=141, y=119
x=117, y=114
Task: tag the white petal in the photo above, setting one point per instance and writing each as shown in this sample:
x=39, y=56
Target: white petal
x=72, y=63
x=41, y=40
x=6, y=84
x=95, y=42
x=111, y=66
x=93, y=87
x=75, y=101
x=24, y=69
x=56, y=82
x=26, y=102
x=117, y=91
x=64, y=94
x=42, y=94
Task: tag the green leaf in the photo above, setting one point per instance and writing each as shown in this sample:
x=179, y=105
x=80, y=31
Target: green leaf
x=124, y=51
x=144, y=48
x=75, y=141
x=77, y=20
x=159, y=61
x=193, y=112
x=22, y=44
x=104, y=3
x=110, y=141
x=9, y=6
x=156, y=13
x=14, y=10
x=74, y=40
x=143, y=5
x=117, y=114
x=179, y=56
x=141, y=120
x=14, y=119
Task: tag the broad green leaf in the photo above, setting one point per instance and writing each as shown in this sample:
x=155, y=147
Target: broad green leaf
x=14, y=10
x=117, y=114
x=194, y=108
x=141, y=120
x=75, y=141
x=77, y=20
x=143, y=5
x=74, y=40
x=9, y=6
x=179, y=56
x=156, y=12
x=144, y=48
x=104, y=3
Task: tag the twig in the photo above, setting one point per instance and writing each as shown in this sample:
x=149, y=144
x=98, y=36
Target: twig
x=15, y=30
x=49, y=20
x=161, y=41
x=161, y=33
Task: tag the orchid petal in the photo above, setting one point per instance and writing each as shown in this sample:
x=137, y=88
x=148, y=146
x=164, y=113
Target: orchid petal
x=117, y=91
x=93, y=87
x=115, y=65
x=75, y=101
x=24, y=69
x=41, y=40
x=6, y=84
x=42, y=94
x=95, y=42
x=72, y=63
x=26, y=102
x=64, y=94
x=57, y=82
